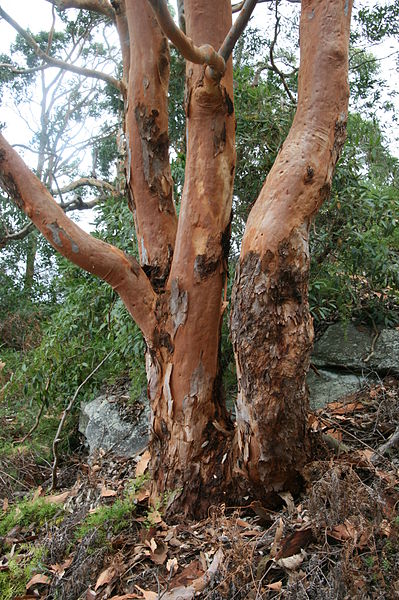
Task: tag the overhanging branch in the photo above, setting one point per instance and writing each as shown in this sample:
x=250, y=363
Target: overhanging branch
x=57, y=62
x=121, y=271
x=102, y=7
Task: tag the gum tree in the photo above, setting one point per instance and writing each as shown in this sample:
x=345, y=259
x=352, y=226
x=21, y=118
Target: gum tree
x=176, y=291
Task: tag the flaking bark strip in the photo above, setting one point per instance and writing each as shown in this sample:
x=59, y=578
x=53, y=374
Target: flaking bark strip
x=178, y=305
x=155, y=153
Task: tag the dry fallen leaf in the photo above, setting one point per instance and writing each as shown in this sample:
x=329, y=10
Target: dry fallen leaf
x=107, y=493
x=172, y=565
x=105, y=577
x=289, y=500
x=36, y=579
x=57, y=498
x=291, y=563
x=277, y=537
x=147, y=595
x=275, y=587
x=5, y=504
x=143, y=463
x=59, y=569
x=193, y=571
x=125, y=597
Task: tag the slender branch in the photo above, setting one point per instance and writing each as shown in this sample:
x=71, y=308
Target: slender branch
x=99, y=6
x=17, y=235
x=66, y=412
x=197, y=54
x=271, y=53
x=19, y=71
x=237, y=7
x=237, y=28
x=60, y=63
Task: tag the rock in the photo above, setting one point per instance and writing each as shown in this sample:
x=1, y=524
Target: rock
x=103, y=427
x=347, y=346
x=329, y=386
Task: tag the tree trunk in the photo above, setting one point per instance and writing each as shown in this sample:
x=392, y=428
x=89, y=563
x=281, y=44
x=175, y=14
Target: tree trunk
x=191, y=429
x=270, y=323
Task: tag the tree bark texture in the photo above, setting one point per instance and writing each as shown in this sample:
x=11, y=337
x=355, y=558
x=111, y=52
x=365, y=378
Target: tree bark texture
x=270, y=322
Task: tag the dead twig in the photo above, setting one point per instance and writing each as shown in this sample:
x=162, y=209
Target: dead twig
x=391, y=442
x=66, y=412
x=37, y=420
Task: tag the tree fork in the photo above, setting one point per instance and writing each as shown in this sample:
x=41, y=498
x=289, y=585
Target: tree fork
x=192, y=431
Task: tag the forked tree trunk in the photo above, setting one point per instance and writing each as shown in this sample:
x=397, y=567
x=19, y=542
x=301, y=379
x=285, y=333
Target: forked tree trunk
x=271, y=325
x=191, y=430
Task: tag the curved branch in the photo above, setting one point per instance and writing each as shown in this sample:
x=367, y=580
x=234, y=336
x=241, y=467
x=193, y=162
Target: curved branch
x=90, y=181
x=60, y=63
x=237, y=28
x=197, y=54
x=18, y=71
x=17, y=235
x=102, y=7
x=109, y=263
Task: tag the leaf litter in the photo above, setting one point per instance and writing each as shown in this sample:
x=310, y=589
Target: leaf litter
x=339, y=539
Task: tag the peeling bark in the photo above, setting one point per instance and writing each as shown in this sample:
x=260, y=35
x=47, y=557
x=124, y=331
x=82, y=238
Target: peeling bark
x=270, y=323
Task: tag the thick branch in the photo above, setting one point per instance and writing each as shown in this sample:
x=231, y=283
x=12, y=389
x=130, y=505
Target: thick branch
x=200, y=55
x=57, y=62
x=237, y=29
x=103, y=7
x=122, y=272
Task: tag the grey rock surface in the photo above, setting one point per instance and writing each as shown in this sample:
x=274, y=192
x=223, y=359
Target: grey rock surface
x=329, y=386
x=103, y=427
x=347, y=346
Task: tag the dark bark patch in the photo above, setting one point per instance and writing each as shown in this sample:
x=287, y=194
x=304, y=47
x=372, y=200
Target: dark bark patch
x=204, y=266
x=219, y=138
x=229, y=103
x=163, y=63
x=309, y=174
x=155, y=153
x=10, y=186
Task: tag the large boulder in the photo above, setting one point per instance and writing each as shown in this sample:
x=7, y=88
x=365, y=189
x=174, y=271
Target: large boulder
x=105, y=427
x=356, y=349
x=329, y=386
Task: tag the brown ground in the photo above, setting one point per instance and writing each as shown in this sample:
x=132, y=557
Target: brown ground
x=339, y=540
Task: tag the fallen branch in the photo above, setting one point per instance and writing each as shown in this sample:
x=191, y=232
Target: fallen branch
x=66, y=412
x=392, y=442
